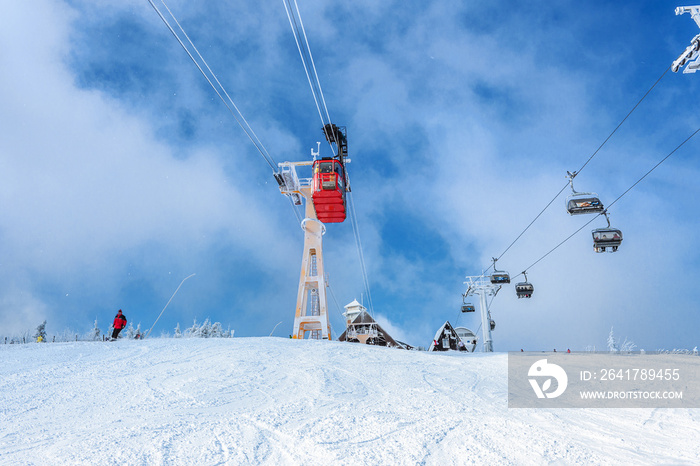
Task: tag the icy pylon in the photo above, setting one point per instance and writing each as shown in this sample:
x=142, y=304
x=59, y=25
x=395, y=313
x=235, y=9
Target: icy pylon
x=481, y=285
x=311, y=314
x=691, y=55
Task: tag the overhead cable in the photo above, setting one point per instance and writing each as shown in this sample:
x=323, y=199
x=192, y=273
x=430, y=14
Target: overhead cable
x=218, y=88
x=584, y=165
x=358, y=244
x=615, y=201
x=295, y=21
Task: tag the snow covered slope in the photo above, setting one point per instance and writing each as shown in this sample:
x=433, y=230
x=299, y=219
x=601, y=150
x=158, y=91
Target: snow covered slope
x=277, y=401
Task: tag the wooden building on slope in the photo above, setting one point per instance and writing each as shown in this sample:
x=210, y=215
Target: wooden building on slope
x=446, y=339
x=362, y=328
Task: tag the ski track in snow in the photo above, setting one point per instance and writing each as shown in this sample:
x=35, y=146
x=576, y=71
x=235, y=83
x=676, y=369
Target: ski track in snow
x=278, y=401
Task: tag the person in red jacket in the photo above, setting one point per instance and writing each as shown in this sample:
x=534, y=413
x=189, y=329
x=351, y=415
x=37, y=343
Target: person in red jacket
x=119, y=324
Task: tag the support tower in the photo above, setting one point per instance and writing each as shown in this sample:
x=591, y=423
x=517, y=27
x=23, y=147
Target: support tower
x=483, y=287
x=311, y=316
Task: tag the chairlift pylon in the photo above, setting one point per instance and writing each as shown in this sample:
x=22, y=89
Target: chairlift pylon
x=691, y=55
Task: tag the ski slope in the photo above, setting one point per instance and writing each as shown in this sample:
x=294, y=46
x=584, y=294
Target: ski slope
x=278, y=401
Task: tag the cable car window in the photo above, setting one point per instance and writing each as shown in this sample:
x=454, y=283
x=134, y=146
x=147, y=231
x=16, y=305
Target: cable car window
x=326, y=167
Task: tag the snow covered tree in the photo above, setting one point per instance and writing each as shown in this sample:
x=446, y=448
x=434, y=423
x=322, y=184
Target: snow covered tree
x=178, y=332
x=205, y=329
x=217, y=330
x=192, y=331
x=67, y=335
x=132, y=332
x=612, y=343
x=627, y=346
x=95, y=333
x=40, y=334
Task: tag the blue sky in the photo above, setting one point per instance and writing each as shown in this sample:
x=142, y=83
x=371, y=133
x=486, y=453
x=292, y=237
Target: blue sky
x=121, y=172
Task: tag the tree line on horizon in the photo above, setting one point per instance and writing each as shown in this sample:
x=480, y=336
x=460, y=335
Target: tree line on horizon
x=206, y=329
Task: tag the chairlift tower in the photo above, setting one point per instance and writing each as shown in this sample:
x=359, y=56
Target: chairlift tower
x=311, y=314
x=481, y=285
x=691, y=55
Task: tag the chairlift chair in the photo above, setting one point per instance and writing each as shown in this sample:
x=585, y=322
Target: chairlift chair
x=524, y=289
x=582, y=203
x=499, y=277
x=468, y=307
x=492, y=324
x=606, y=238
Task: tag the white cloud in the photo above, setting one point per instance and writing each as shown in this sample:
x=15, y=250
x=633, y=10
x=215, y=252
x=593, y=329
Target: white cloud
x=460, y=119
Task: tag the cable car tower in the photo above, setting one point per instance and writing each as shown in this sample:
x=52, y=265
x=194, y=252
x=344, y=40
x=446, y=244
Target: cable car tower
x=483, y=286
x=311, y=314
x=691, y=55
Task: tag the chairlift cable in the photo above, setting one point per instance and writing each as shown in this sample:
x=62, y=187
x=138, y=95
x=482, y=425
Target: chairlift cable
x=583, y=166
x=534, y=220
x=655, y=167
x=615, y=201
x=561, y=243
x=623, y=120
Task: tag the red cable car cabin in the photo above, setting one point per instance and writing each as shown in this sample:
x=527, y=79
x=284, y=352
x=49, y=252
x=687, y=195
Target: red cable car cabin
x=329, y=190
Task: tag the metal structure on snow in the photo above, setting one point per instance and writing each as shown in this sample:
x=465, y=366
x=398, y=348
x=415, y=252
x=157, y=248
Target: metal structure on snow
x=483, y=287
x=311, y=314
x=691, y=55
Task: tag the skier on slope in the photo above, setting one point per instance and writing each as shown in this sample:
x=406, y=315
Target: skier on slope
x=119, y=324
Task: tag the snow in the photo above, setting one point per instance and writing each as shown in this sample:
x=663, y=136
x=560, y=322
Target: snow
x=278, y=401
